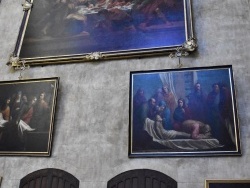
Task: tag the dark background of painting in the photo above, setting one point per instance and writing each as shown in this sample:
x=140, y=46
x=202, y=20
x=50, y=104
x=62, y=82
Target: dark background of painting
x=150, y=82
x=30, y=89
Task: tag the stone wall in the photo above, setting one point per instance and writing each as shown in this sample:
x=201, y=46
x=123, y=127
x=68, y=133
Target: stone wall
x=91, y=128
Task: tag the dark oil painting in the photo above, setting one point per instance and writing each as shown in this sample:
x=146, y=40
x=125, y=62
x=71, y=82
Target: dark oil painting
x=27, y=116
x=66, y=27
x=183, y=112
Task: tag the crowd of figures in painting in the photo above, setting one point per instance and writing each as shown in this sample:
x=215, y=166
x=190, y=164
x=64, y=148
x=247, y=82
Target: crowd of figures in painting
x=103, y=25
x=21, y=113
x=110, y=15
x=202, y=113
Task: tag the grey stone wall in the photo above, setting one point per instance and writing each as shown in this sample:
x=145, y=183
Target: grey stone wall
x=91, y=127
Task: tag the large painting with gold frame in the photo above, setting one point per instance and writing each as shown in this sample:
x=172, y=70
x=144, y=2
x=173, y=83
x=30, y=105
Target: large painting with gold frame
x=69, y=31
x=27, y=110
x=233, y=183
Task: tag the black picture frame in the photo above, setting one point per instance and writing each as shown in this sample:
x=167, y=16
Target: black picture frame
x=57, y=33
x=183, y=112
x=227, y=183
x=27, y=116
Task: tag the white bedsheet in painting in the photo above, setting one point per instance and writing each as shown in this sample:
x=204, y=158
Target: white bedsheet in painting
x=167, y=138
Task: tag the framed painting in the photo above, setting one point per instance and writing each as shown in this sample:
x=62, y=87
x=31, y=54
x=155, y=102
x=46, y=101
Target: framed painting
x=183, y=112
x=70, y=31
x=27, y=116
x=227, y=183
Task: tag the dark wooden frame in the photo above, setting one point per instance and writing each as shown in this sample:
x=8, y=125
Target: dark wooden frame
x=141, y=143
x=227, y=183
x=188, y=45
x=36, y=140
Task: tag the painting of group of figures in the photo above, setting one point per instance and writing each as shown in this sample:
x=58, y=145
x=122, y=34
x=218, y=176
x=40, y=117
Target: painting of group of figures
x=183, y=112
x=26, y=116
x=63, y=27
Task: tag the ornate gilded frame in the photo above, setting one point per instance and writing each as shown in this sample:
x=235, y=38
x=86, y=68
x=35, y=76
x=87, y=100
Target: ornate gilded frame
x=176, y=50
